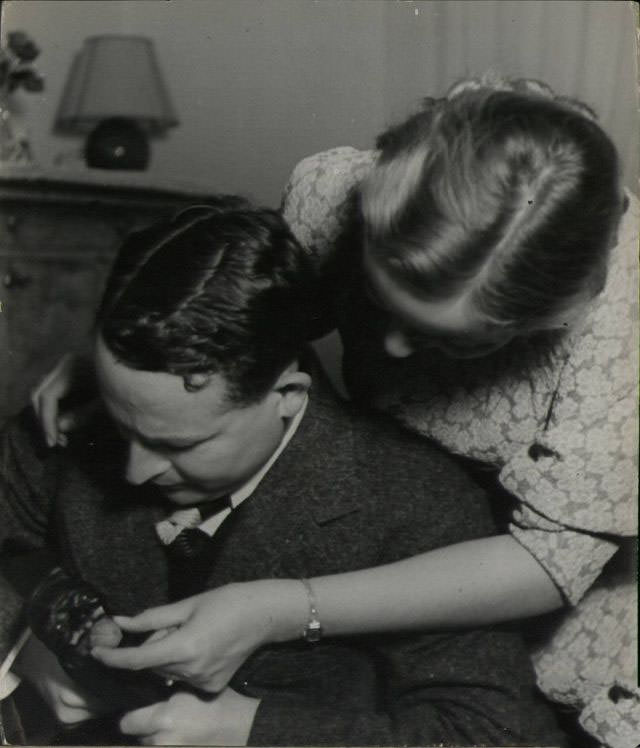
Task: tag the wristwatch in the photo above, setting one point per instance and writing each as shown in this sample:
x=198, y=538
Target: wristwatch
x=312, y=631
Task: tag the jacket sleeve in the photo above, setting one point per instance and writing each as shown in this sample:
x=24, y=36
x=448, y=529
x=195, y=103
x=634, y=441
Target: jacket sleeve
x=25, y=506
x=451, y=691
x=453, y=688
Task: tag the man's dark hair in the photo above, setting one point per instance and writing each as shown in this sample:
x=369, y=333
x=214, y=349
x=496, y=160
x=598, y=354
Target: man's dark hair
x=217, y=290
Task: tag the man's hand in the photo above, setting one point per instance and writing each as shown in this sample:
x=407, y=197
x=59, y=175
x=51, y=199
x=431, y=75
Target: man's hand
x=70, y=705
x=186, y=719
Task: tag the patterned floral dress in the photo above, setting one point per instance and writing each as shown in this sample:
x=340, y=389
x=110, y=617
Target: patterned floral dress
x=563, y=439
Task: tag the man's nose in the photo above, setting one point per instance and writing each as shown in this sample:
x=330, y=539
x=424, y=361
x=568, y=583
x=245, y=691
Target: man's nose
x=397, y=344
x=144, y=465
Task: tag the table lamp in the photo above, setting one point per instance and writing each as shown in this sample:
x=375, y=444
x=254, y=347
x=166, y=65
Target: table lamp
x=116, y=94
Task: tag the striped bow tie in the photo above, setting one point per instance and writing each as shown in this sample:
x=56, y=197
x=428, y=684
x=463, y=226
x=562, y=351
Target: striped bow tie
x=190, y=544
x=183, y=524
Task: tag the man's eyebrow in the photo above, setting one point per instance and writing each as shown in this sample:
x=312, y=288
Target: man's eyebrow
x=176, y=441
x=168, y=441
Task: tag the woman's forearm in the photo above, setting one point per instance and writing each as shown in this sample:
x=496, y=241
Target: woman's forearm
x=470, y=584
x=475, y=583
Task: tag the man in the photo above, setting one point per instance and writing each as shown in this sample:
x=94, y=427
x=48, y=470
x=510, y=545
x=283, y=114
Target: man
x=200, y=363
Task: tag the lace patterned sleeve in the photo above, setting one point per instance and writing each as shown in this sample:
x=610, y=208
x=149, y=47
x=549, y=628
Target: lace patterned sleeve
x=577, y=482
x=314, y=198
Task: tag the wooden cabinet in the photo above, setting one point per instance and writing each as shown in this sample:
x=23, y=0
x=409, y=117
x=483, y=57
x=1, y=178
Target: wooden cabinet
x=57, y=242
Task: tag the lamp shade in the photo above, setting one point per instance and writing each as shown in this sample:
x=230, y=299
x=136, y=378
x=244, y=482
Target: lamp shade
x=115, y=76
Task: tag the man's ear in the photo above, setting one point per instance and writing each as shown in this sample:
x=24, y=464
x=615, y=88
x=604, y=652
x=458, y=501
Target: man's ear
x=292, y=386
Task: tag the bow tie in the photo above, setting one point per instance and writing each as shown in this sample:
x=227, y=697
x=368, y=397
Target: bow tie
x=189, y=544
x=180, y=532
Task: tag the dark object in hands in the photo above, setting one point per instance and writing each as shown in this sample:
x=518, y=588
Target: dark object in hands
x=69, y=617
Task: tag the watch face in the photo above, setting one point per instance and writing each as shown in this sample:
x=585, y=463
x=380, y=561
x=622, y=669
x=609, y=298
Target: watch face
x=313, y=631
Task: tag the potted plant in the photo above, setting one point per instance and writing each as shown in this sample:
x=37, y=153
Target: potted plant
x=16, y=71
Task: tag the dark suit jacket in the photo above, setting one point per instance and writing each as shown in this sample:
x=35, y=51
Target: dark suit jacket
x=348, y=492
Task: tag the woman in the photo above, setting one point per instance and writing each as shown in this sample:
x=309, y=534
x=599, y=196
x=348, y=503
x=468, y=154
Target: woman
x=486, y=307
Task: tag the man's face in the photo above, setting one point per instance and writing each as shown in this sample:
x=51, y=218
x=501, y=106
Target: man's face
x=193, y=446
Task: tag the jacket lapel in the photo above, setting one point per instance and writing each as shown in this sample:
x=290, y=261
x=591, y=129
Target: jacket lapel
x=304, y=506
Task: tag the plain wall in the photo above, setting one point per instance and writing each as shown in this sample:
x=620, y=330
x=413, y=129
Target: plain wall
x=258, y=84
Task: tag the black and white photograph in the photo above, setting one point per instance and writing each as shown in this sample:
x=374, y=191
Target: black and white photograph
x=319, y=373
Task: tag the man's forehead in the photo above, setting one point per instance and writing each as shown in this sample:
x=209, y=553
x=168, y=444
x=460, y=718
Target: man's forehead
x=156, y=404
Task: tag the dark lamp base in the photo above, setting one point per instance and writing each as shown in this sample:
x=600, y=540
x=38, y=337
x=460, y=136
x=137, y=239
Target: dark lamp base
x=117, y=143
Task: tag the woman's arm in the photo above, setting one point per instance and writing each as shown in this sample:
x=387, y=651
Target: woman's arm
x=474, y=583
x=72, y=375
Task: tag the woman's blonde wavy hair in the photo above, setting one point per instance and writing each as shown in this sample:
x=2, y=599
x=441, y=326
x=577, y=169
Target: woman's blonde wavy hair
x=500, y=190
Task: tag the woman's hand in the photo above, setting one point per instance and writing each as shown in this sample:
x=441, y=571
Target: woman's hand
x=70, y=375
x=204, y=639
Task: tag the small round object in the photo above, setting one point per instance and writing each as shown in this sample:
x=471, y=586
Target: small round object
x=105, y=633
